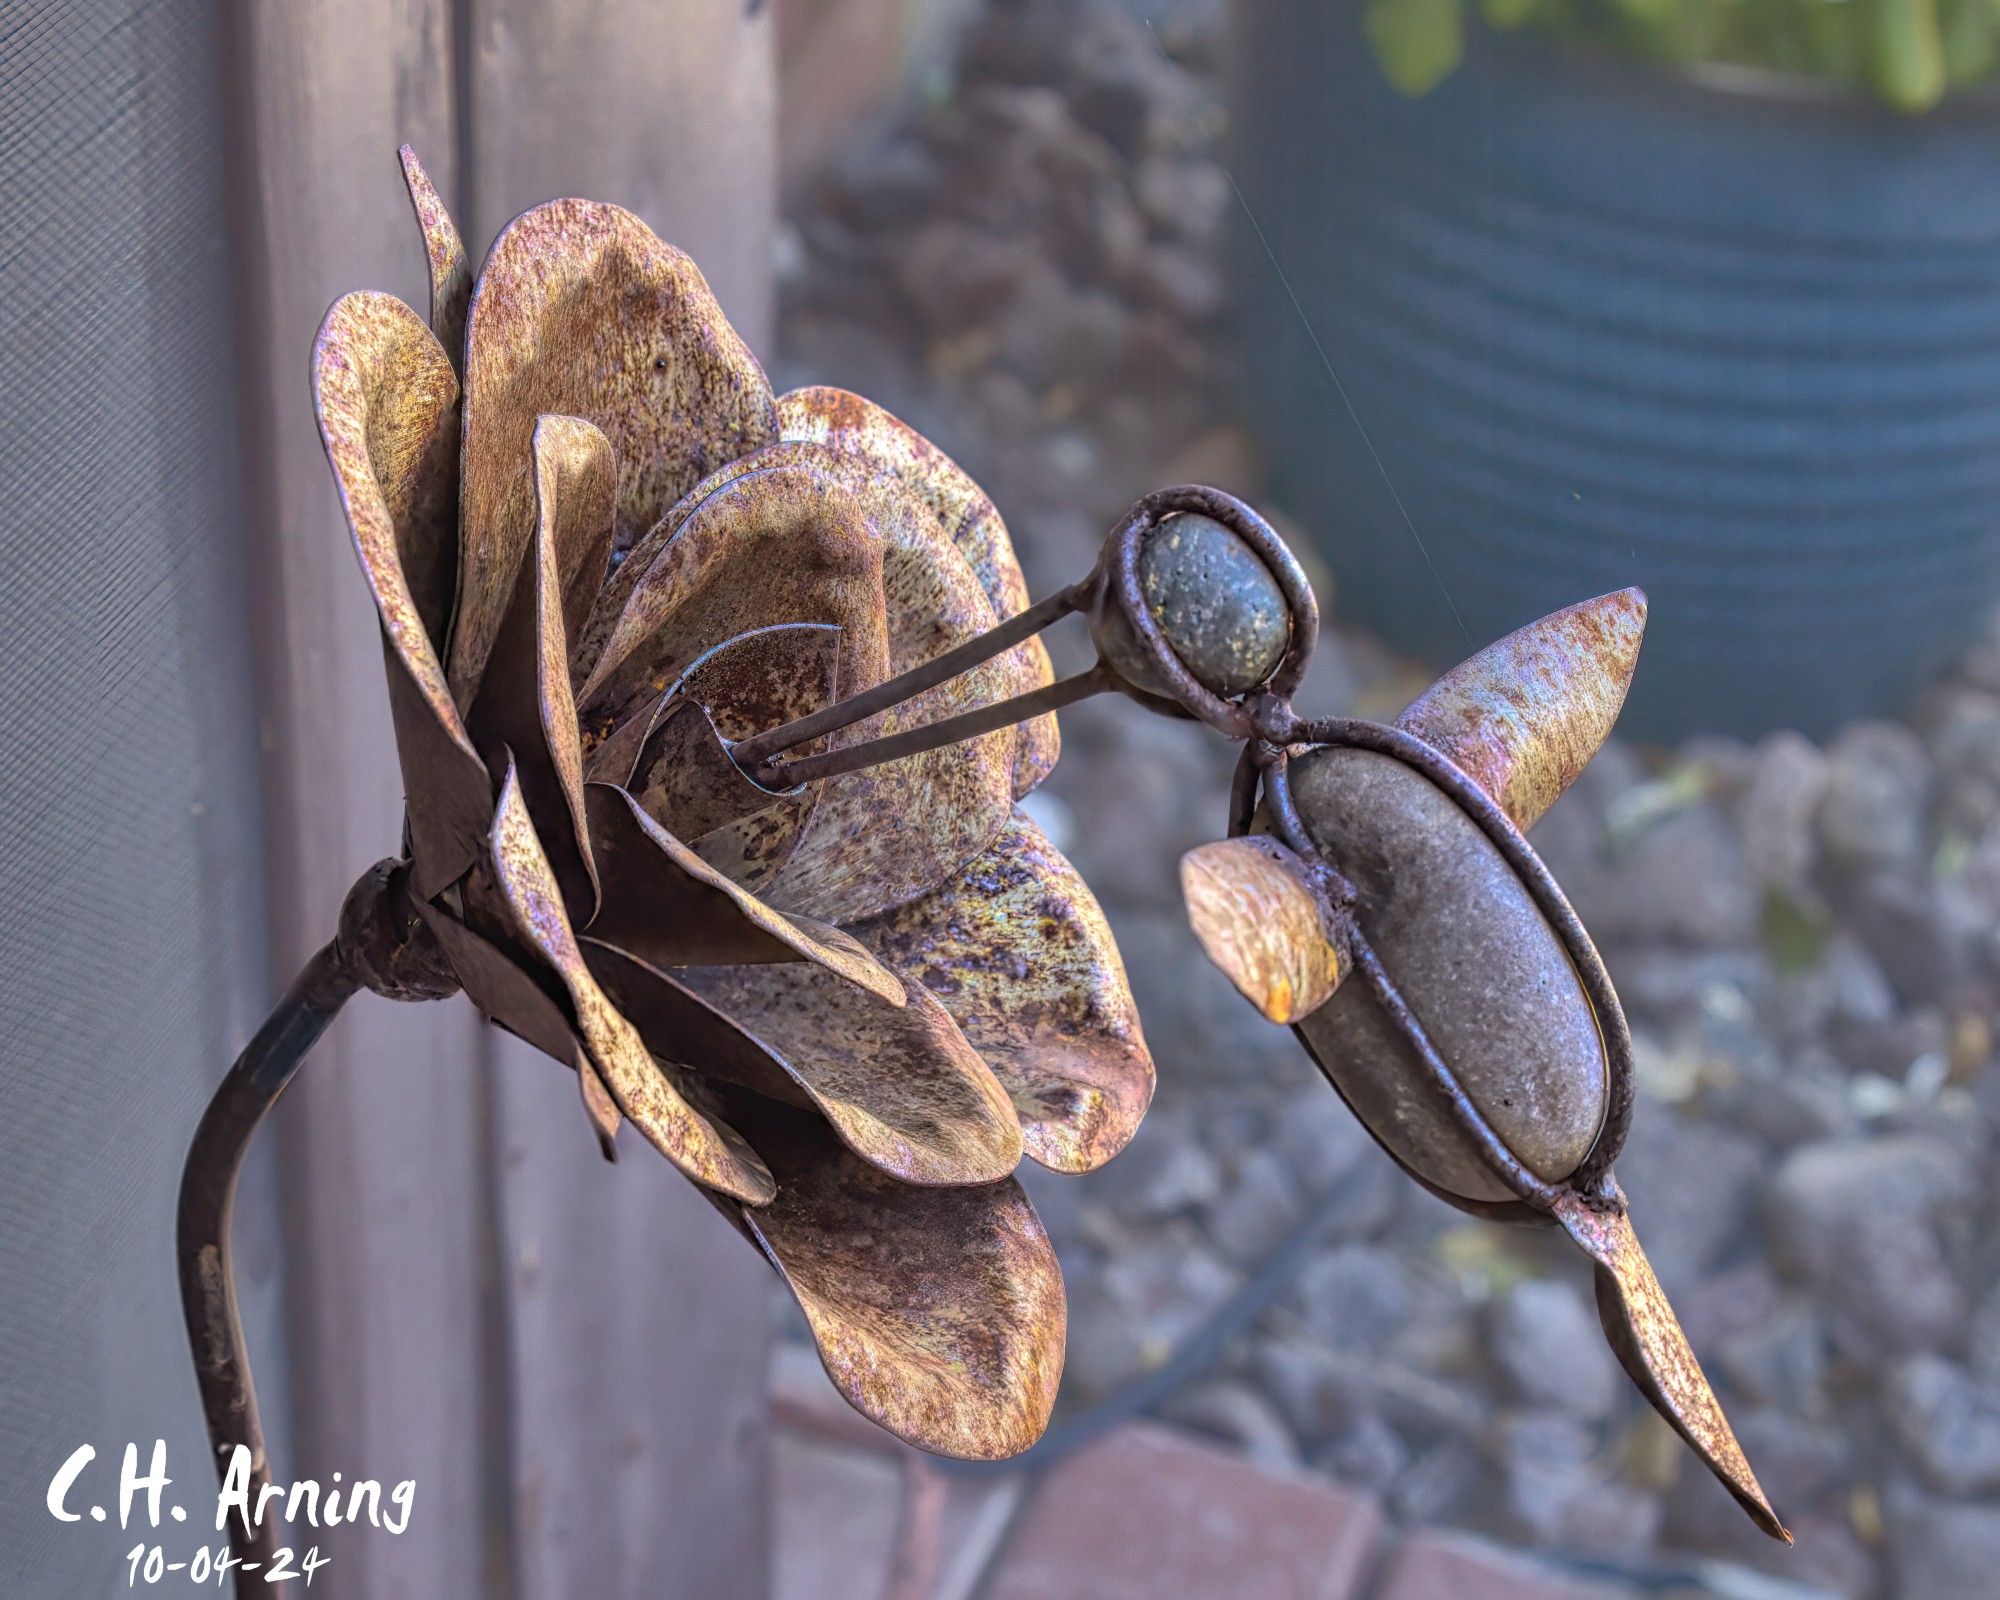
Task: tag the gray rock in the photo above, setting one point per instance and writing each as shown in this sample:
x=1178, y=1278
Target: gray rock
x=1948, y=1422
x=1320, y=1137
x=1546, y=1460
x=1982, y=1339
x=1313, y=1391
x=1877, y=786
x=1691, y=1186
x=1965, y=735
x=1544, y=1337
x=1781, y=1360
x=1188, y=198
x=1942, y=1551
x=1256, y=1209
x=1821, y=1192
x=957, y=275
x=1442, y=1484
x=1683, y=877
x=1776, y=810
x=1368, y=1452
x=1356, y=1297
x=1165, y=1171
x=1132, y=1314
x=1861, y=1221
x=1613, y=1518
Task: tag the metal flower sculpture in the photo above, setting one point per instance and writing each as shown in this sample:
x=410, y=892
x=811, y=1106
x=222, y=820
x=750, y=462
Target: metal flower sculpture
x=713, y=709
x=843, y=989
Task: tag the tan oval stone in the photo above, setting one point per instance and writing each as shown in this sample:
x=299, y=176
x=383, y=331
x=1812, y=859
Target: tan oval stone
x=1477, y=962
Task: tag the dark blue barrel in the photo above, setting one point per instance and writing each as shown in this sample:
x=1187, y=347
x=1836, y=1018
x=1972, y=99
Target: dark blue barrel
x=1735, y=341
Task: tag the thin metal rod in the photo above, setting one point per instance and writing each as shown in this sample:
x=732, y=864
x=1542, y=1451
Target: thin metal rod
x=759, y=748
x=207, y=1203
x=1505, y=1164
x=949, y=730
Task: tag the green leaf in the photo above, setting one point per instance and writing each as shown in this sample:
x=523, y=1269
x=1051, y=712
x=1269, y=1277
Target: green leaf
x=1909, y=54
x=1419, y=43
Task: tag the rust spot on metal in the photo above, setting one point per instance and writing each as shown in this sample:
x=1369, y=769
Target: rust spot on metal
x=1648, y=1338
x=581, y=310
x=444, y=254
x=857, y=426
x=388, y=414
x=1019, y=953
x=1524, y=715
x=938, y=1312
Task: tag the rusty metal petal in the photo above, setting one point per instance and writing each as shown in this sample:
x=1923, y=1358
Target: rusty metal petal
x=581, y=310
x=790, y=544
x=899, y=1084
x=706, y=1151
x=670, y=908
x=387, y=405
x=690, y=784
x=525, y=711
x=1523, y=715
x=1648, y=1338
x=686, y=780
x=1261, y=916
x=856, y=425
x=505, y=991
x=938, y=1312
x=886, y=834
x=1022, y=958
x=451, y=272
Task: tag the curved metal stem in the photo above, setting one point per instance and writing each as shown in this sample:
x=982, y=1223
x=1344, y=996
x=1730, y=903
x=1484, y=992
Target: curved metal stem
x=207, y=1200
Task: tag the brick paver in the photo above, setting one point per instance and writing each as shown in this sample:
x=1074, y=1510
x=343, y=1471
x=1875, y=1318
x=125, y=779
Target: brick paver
x=1147, y=1513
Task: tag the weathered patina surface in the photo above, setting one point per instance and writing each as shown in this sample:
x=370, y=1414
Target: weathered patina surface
x=1263, y=918
x=617, y=554
x=1524, y=715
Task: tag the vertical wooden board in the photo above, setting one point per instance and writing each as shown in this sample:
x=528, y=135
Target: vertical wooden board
x=637, y=1323
x=666, y=109
x=381, y=1139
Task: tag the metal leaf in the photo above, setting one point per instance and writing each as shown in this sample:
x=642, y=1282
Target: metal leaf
x=1019, y=953
x=706, y=1151
x=939, y=1313
x=581, y=310
x=387, y=405
x=856, y=425
x=451, y=272
x=899, y=1084
x=670, y=908
x=1263, y=919
x=1648, y=1339
x=1523, y=715
x=525, y=711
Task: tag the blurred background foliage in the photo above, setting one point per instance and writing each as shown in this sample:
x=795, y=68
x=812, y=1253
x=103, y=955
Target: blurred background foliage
x=1907, y=53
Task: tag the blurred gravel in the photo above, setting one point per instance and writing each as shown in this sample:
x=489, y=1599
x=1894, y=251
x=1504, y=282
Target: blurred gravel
x=1807, y=938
